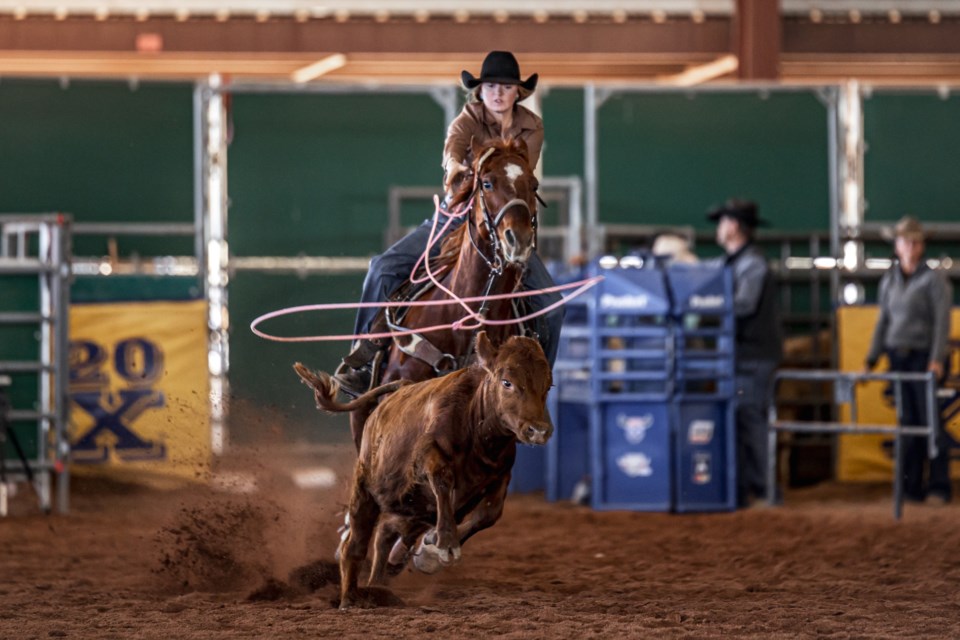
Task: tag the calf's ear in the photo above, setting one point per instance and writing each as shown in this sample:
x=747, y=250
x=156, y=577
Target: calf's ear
x=485, y=351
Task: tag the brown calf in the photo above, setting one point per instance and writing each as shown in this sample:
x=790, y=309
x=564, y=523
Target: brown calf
x=438, y=454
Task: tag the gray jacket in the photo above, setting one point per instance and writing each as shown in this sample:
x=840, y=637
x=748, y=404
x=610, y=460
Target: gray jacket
x=755, y=306
x=914, y=313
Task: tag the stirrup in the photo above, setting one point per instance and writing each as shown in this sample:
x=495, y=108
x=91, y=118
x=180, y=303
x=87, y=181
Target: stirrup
x=353, y=382
x=361, y=354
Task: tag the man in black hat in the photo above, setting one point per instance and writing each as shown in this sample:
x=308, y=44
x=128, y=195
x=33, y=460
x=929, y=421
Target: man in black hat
x=759, y=343
x=492, y=111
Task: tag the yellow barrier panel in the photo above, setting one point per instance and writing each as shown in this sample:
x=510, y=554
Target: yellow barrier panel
x=139, y=391
x=869, y=458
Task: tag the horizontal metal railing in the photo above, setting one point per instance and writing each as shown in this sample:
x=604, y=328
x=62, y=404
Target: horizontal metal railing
x=844, y=392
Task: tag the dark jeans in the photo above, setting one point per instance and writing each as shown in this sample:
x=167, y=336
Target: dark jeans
x=389, y=269
x=914, y=456
x=754, y=379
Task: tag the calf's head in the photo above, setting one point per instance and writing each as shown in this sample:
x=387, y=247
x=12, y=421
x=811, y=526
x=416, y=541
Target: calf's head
x=518, y=379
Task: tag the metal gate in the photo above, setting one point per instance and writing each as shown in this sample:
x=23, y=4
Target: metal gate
x=37, y=245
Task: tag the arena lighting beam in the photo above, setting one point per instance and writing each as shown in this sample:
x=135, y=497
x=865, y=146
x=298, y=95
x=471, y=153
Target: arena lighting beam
x=702, y=72
x=319, y=68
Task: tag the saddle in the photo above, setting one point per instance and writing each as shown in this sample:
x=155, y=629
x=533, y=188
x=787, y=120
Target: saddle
x=417, y=345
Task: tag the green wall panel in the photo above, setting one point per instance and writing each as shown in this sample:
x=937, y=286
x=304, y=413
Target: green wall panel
x=28, y=438
x=310, y=173
x=21, y=342
x=912, y=160
x=563, y=132
x=261, y=372
x=666, y=158
x=102, y=152
x=19, y=292
x=128, y=288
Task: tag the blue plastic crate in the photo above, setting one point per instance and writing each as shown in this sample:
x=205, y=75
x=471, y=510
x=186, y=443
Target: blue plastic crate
x=567, y=452
x=702, y=307
x=632, y=346
x=704, y=455
x=631, y=456
x=529, y=470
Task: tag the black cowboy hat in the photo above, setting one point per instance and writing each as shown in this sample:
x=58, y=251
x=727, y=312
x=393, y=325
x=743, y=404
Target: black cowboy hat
x=743, y=211
x=500, y=67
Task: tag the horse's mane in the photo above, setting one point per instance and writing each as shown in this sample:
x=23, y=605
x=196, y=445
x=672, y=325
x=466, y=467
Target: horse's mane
x=450, y=248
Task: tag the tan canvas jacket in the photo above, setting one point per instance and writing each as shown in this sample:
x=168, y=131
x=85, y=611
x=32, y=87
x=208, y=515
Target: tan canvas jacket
x=475, y=122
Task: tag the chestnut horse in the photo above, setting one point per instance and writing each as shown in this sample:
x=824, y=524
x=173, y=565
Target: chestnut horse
x=486, y=255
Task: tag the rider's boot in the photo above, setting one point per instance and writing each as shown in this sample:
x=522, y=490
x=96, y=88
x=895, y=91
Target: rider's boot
x=355, y=372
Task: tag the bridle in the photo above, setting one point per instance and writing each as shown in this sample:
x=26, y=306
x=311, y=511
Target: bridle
x=492, y=222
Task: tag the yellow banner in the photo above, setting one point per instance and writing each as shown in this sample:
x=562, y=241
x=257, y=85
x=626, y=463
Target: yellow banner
x=139, y=390
x=869, y=458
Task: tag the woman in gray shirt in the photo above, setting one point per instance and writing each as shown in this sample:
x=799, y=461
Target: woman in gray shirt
x=912, y=330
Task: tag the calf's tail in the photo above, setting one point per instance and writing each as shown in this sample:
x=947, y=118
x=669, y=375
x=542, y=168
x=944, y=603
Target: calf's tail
x=325, y=389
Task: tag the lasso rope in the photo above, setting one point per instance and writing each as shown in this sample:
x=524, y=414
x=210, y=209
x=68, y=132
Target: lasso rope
x=458, y=325
x=579, y=286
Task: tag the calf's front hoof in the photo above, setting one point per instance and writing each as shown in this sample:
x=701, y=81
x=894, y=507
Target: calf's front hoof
x=430, y=558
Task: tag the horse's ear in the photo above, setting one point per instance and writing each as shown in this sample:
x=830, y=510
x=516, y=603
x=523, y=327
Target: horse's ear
x=520, y=146
x=485, y=351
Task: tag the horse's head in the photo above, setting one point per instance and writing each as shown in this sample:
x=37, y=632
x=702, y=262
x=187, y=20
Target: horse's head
x=507, y=197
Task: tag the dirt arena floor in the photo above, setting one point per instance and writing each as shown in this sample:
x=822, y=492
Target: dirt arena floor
x=197, y=563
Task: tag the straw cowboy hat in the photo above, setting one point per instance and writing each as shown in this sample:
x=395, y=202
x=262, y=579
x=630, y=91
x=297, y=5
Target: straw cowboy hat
x=673, y=246
x=908, y=227
x=500, y=67
x=743, y=211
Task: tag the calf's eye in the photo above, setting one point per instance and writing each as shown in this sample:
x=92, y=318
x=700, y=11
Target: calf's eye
x=506, y=384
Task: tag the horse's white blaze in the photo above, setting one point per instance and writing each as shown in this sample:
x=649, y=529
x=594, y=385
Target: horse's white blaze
x=514, y=171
